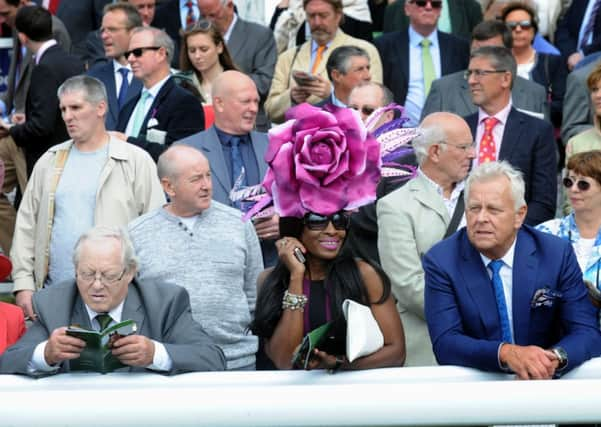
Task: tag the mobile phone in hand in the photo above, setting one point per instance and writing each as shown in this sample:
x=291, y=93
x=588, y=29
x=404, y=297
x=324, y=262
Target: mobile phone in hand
x=298, y=254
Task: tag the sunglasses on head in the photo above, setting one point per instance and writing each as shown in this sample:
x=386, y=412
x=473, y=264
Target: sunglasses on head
x=340, y=221
x=581, y=184
x=365, y=109
x=525, y=25
x=436, y=4
x=139, y=51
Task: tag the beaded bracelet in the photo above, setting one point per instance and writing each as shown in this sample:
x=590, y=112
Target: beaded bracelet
x=293, y=301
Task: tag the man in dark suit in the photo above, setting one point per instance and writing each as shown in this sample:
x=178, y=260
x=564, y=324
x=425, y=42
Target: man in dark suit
x=42, y=126
x=579, y=32
x=413, y=58
x=117, y=23
x=231, y=141
x=503, y=133
x=167, y=338
x=163, y=112
x=452, y=93
x=252, y=47
x=534, y=319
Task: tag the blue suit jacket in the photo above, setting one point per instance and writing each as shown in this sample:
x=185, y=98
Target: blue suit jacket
x=208, y=142
x=105, y=73
x=528, y=144
x=177, y=112
x=568, y=29
x=461, y=309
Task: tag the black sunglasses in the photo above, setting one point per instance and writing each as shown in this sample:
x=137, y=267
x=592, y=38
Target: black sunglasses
x=139, y=51
x=436, y=4
x=525, y=24
x=582, y=185
x=340, y=221
x=365, y=109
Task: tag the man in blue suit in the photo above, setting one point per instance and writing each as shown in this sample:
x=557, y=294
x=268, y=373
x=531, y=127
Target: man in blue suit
x=501, y=296
x=121, y=86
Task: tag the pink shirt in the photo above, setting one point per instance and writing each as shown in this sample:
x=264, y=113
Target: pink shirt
x=497, y=131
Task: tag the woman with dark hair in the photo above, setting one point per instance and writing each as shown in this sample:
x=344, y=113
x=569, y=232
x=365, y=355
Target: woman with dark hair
x=543, y=68
x=314, y=180
x=203, y=56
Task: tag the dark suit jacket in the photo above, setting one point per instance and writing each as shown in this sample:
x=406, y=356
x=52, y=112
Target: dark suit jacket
x=161, y=312
x=167, y=18
x=44, y=126
x=394, y=52
x=568, y=28
x=528, y=144
x=105, y=73
x=551, y=72
x=461, y=308
x=177, y=112
x=464, y=14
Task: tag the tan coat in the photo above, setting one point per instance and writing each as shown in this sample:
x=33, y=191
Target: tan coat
x=278, y=100
x=128, y=187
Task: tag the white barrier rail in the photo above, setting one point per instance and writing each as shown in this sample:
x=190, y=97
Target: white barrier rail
x=384, y=397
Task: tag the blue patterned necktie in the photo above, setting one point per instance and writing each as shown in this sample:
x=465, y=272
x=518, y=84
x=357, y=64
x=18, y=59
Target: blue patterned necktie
x=588, y=29
x=495, y=267
x=103, y=320
x=238, y=174
x=124, y=86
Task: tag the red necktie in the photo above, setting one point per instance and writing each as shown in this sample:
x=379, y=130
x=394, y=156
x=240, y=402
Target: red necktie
x=53, y=6
x=190, y=20
x=488, y=148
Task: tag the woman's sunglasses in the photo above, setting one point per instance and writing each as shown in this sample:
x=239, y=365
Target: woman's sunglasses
x=525, y=24
x=581, y=184
x=340, y=221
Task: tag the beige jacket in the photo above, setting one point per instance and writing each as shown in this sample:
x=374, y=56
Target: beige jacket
x=129, y=186
x=278, y=100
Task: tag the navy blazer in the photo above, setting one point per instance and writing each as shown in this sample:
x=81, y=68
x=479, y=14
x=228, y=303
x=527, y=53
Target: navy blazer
x=528, y=144
x=568, y=29
x=551, y=72
x=177, y=112
x=461, y=308
x=105, y=72
x=394, y=52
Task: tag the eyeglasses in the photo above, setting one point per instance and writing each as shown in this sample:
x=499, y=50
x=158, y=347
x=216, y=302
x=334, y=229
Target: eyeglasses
x=436, y=4
x=365, y=109
x=139, y=51
x=464, y=147
x=340, y=221
x=480, y=73
x=89, y=277
x=581, y=184
x=524, y=25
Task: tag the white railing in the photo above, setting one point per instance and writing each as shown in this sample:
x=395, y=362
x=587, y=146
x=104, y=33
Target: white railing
x=384, y=397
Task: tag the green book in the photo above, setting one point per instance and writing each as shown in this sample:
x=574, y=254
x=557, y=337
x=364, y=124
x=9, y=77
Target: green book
x=303, y=352
x=97, y=355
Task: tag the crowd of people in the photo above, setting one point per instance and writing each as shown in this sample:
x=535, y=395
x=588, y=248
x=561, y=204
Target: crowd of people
x=233, y=187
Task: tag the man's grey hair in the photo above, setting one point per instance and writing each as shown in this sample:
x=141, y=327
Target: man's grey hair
x=427, y=137
x=93, y=89
x=102, y=232
x=160, y=39
x=500, y=58
x=387, y=95
x=167, y=165
x=493, y=170
x=340, y=59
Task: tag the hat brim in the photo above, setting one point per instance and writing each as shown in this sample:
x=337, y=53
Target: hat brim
x=5, y=267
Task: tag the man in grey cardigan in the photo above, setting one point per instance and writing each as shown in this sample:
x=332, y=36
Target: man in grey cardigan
x=204, y=246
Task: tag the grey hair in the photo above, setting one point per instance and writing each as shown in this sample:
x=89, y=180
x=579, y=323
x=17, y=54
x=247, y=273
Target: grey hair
x=340, y=59
x=93, y=89
x=427, y=137
x=167, y=165
x=131, y=13
x=500, y=58
x=492, y=170
x=97, y=233
x=160, y=39
x=387, y=95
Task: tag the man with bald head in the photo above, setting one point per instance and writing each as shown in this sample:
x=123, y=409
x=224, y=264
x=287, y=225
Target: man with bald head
x=422, y=212
x=235, y=152
x=215, y=276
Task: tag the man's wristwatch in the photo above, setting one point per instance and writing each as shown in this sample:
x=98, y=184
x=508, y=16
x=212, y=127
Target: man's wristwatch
x=562, y=357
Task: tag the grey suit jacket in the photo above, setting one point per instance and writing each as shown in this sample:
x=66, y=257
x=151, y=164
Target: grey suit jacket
x=577, y=112
x=208, y=142
x=253, y=50
x=452, y=93
x=15, y=96
x=410, y=221
x=162, y=313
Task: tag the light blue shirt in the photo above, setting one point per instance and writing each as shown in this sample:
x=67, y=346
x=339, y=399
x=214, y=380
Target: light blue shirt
x=585, y=19
x=416, y=95
x=314, y=47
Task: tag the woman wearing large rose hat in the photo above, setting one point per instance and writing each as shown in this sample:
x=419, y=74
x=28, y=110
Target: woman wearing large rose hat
x=12, y=323
x=323, y=165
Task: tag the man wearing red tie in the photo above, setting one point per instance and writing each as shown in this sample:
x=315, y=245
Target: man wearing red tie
x=502, y=132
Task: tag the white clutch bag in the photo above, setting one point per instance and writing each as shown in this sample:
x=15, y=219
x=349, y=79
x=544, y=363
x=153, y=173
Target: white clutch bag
x=363, y=335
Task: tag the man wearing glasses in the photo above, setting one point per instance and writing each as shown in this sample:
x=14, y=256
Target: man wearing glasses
x=502, y=132
x=105, y=293
x=414, y=217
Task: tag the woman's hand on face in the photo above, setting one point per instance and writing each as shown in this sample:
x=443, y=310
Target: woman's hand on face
x=285, y=247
